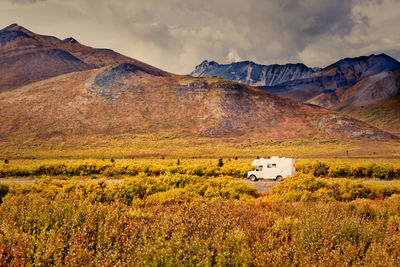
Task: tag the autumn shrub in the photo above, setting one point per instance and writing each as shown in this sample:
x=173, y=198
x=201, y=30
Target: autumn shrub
x=353, y=170
x=338, y=171
x=320, y=168
x=176, y=195
x=358, y=171
x=225, y=188
x=109, y=169
x=141, y=187
x=305, y=187
x=165, y=229
x=180, y=181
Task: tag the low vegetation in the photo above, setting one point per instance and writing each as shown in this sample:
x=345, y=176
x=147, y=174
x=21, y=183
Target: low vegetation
x=353, y=170
x=199, y=167
x=130, y=167
x=183, y=147
x=305, y=187
x=190, y=220
x=198, y=212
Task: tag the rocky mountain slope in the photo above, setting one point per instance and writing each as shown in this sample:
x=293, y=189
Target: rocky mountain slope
x=349, y=85
x=334, y=80
x=360, y=87
x=248, y=72
x=322, y=87
x=375, y=100
x=127, y=97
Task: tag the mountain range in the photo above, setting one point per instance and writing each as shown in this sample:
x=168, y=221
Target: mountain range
x=250, y=73
x=52, y=88
x=365, y=87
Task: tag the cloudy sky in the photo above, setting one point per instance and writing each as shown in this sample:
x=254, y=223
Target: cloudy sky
x=176, y=35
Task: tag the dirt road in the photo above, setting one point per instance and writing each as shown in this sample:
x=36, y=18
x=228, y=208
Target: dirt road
x=262, y=186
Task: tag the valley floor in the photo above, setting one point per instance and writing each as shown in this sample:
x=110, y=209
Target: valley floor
x=175, y=146
x=162, y=202
x=190, y=220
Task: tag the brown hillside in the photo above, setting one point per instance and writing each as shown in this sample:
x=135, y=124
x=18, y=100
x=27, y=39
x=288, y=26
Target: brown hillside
x=124, y=98
x=27, y=57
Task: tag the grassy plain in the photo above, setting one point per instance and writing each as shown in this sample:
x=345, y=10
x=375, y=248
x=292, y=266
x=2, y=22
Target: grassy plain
x=171, y=146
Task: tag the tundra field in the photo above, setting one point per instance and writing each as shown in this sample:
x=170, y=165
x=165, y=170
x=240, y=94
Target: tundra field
x=177, y=146
x=150, y=207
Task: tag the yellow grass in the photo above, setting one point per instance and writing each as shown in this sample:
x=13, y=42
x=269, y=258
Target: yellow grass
x=140, y=146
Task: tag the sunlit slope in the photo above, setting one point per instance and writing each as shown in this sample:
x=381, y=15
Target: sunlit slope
x=124, y=98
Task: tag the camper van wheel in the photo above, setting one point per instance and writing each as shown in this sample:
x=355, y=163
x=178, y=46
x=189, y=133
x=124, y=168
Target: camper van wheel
x=253, y=178
x=278, y=178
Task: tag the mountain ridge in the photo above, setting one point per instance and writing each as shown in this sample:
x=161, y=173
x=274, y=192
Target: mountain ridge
x=22, y=53
x=253, y=74
x=121, y=96
x=340, y=84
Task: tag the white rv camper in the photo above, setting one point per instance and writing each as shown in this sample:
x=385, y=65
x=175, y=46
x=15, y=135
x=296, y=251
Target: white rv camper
x=272, y=168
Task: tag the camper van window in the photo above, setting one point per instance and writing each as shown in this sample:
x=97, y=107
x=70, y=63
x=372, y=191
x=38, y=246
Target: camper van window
x=273, y=165
x=259, y=168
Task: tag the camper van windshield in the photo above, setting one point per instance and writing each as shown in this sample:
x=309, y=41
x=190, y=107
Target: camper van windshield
x=259, y=168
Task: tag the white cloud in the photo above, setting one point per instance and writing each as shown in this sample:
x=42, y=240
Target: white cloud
x=233, y=56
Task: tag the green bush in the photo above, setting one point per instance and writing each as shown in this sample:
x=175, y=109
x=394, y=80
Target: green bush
x=3, y=191
x=220, y=163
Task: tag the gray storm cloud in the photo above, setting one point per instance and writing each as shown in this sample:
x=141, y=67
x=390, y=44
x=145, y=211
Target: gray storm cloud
x=177, y=35
x=26, y=1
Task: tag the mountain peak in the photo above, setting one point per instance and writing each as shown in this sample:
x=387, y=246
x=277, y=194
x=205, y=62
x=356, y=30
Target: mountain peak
x=70, y=40
x=13, y=32
x=243, y=62
x=206, y=63
x=383, y=56
x=11, y=27
x=365, y=65
x=15, y=27
x=203, y=67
